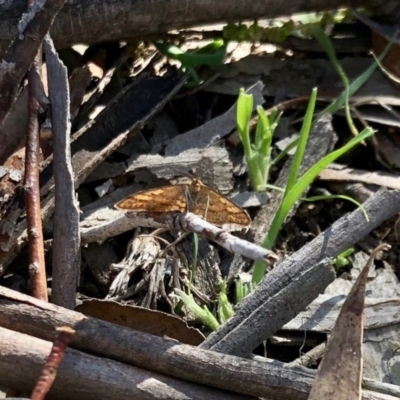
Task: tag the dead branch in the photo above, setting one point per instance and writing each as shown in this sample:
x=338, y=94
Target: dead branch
x=91, y=21
x=83, y=377
x=262, y=379
x=66, y=242
x=284, y=290
x=11, y=133
x=37, y=269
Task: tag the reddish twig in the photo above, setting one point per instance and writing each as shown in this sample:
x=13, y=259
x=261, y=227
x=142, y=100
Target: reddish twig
x=49, y=371
x=37, y=269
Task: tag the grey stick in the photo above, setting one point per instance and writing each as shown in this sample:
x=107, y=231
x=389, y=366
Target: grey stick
x=297, y=281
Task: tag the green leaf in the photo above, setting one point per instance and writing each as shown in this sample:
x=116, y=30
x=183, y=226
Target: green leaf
x=263, y=129
x=342, y=259
x=199, y=57
x=211, y=54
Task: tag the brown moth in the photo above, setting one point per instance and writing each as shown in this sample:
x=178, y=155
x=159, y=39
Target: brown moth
x=195, y=197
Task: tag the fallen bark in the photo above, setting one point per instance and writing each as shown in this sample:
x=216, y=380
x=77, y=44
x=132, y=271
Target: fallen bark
x=91, y=21
x=27, y=36
x=262, y=379
x=66, y=235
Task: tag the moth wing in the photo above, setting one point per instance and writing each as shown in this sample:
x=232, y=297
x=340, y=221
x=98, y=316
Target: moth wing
x=218, y=209
x=161, y=200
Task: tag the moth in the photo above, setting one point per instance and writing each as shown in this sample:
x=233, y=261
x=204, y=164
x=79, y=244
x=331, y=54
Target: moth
x=195, y=197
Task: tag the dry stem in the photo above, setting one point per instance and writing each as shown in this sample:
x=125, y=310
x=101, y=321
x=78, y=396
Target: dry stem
x=37, y=268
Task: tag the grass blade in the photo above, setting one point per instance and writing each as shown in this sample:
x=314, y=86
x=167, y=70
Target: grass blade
x=302, y=184
x=302, y=142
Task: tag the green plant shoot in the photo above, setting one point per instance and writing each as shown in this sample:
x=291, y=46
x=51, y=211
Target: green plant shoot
x=295, y=193
x=204, y=314
x=342, y=259
x=258, y=154
x=225, y=309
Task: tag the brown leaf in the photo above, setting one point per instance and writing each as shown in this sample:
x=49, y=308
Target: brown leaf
x=142, y=319
x=340, y=372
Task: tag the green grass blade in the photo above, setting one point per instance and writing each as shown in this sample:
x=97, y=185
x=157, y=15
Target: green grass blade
x=325, y=42
x=302, y=184
x=195, y=256
x=295, y=194
x=273, y=187
x=285, y=151
x=225, y=308
x=338, y=103
x=239, y=286
x=325, y=197
x=258, y=272
x=263, y=134
x=244, y=109
x=338, y=196
x=302, y=142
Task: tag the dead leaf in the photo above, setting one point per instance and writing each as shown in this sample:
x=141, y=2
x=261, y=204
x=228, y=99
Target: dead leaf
x=340, y=372
x=142, y=319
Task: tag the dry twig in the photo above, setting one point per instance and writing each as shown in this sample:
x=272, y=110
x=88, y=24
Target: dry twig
x=54, y=360
x=108, y=223
x=37, y=268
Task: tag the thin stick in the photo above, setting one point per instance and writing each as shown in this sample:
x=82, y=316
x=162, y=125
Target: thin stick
x=49, y=371
x=114, y=222
x=37, y=269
